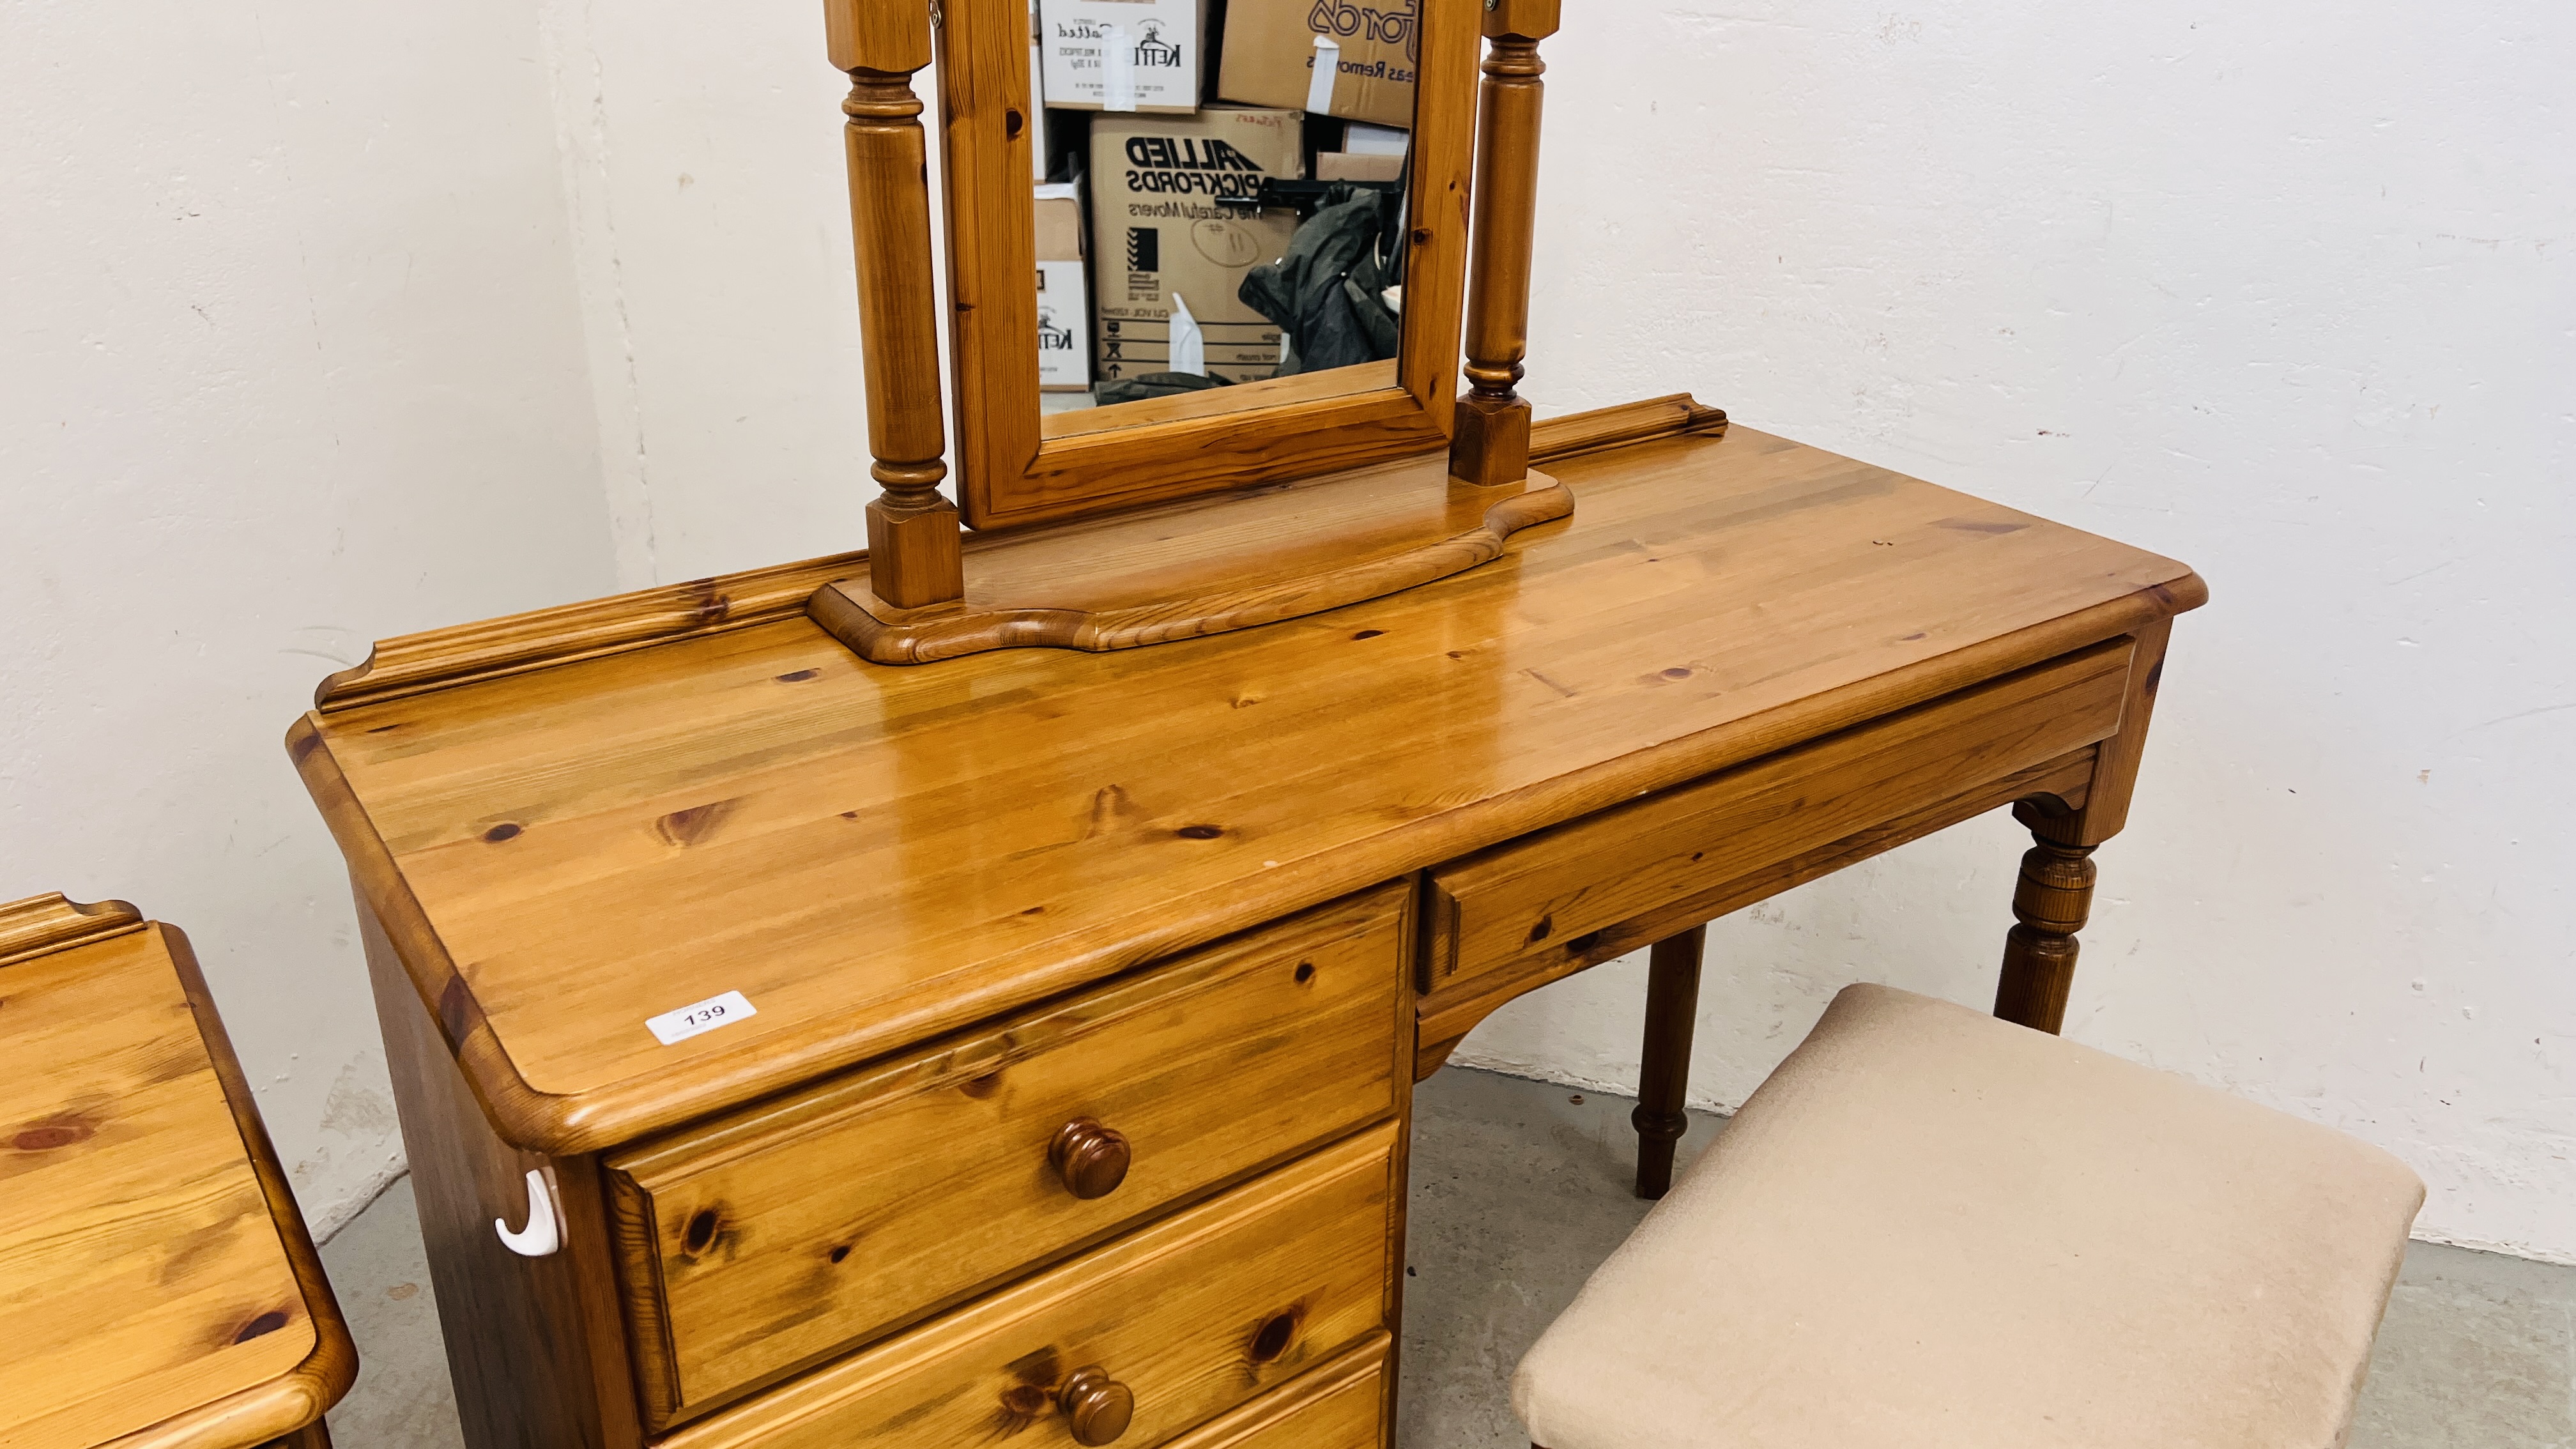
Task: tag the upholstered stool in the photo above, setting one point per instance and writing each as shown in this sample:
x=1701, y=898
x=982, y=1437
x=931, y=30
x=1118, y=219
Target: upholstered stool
x=1936, y=1230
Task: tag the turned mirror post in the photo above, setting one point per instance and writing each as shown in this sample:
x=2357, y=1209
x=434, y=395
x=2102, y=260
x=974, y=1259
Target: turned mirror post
x=913, y=552
x=1491, y=444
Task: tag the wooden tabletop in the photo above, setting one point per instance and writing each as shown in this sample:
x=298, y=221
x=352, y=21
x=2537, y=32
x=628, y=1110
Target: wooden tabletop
x=870, y=854
x=157, y=1286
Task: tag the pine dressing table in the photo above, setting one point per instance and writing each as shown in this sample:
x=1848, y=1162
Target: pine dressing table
x=799, y=1049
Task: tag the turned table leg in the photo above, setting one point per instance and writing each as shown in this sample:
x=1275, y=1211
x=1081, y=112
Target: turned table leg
x=2052, y=900
x=1672, y=1009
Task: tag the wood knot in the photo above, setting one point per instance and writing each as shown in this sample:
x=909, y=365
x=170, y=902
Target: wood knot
x=1200, y=832
x=685, y=828
x=49, y=1135
x=267, y=1323
x=506, y=830
x=455, y=1009
x=1275, y=1336
x=1032, y=1396
x=700, y=1234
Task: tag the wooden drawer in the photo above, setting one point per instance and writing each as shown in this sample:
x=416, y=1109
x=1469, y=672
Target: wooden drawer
x=1539, y=893
x=1192, y=1316
x=779, y=1236
x=1342, y=1405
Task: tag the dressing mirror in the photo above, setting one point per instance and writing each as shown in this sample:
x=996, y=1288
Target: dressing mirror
x=1250, y=265
x=1343, y=369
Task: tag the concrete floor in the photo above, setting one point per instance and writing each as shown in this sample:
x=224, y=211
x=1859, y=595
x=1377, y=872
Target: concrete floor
x=1519, y=1188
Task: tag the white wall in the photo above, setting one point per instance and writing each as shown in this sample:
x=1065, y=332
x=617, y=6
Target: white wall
x=289, y=360
x=703, y=157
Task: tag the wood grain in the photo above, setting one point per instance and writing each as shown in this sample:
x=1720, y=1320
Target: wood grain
x=874, y=856
x=766, y=1241
x=1014, y=469
x=2051, y=898
x=1196, y=1314
x=1446, y=1018
x=328, y=1371
x=498, y=648
x=2115, y=775
x=1573, y=435
x=41, y=924
x=1662, y=1113
x=1153, y=577
x=438, y=658
x=1268, y=392
x=1490, y=446
x=1491, y=909
x=912, y=530
x=1345, y=1404
x=155, y=1273
x=2055, y=888
x=534, y=1345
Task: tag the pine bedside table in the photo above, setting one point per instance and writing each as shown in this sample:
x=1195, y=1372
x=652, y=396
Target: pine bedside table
x=158, y=1285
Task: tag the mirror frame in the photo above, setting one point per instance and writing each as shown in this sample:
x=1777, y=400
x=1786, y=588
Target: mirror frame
x=1017, y=466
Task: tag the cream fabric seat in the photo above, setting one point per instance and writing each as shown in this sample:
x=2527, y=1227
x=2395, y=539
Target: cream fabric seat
x=1936, y=1230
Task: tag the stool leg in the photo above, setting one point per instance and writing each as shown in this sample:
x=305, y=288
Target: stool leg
x=2052, y=900
x=1672, y=1009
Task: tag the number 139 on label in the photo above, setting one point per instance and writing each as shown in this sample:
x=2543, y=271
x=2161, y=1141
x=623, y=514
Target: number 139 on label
x=699, y=1017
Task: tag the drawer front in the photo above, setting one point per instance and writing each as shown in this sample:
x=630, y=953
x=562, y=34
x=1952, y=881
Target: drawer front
x=1342, y=1405
x=768, y=1241
x=1188, y=1318
x=1538, y=893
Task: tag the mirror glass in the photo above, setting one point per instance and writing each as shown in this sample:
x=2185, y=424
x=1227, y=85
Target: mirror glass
x=1220, y=190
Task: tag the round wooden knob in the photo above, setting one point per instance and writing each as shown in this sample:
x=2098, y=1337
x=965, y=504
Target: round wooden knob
x=1096, y=1405
x=1092, y=1160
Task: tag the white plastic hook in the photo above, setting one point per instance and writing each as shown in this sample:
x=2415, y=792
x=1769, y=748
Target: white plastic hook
x=544, y=1233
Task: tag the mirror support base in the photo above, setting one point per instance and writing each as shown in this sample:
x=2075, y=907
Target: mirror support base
x=1258, y=557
